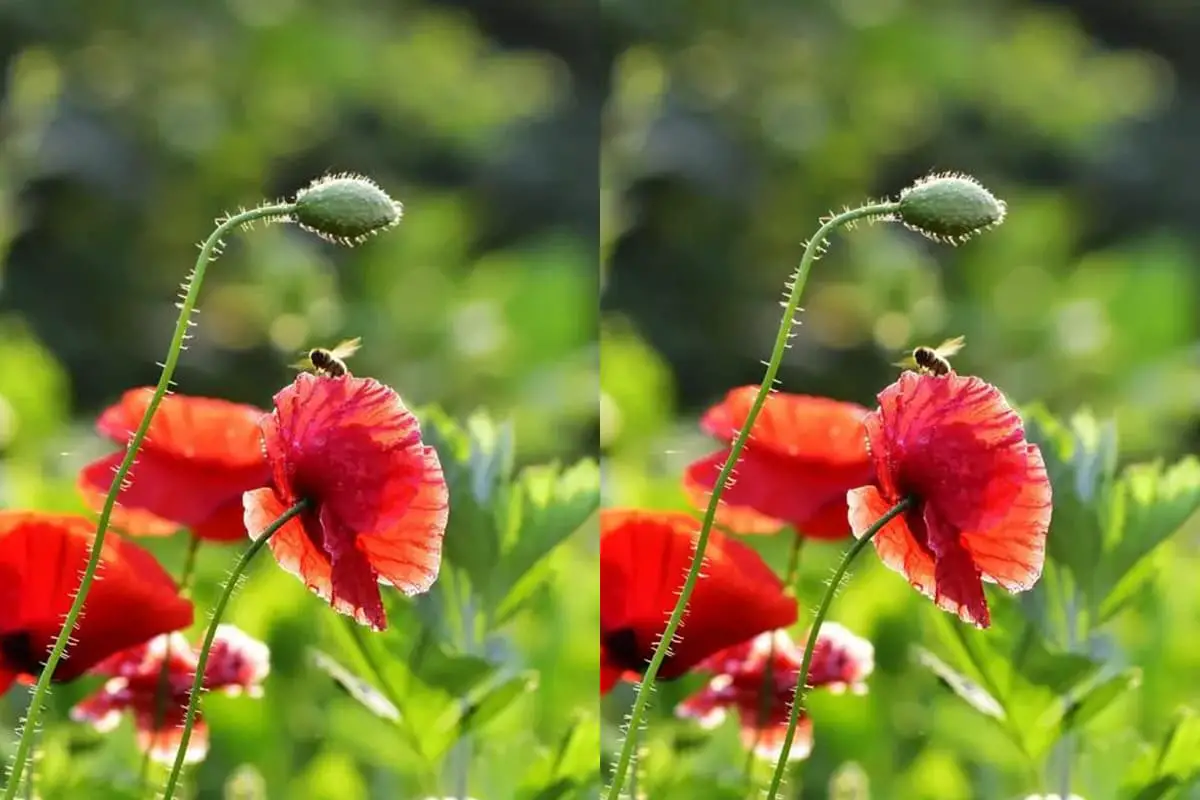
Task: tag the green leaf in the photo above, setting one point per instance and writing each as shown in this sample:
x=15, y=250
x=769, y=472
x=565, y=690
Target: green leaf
x=1088, y=704
x=976, y=696
x=1080, y=462
x=1149, y=505
x=477, y=462
x=546, y=506
x=1174, y=764
x=457, y=674
x=496, y=700
x=362, y=691
x=569, y=767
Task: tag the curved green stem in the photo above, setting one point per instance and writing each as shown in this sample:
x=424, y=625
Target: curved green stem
x=815, y=631
x=202, y=660
x=186, y=307
x=811, y=252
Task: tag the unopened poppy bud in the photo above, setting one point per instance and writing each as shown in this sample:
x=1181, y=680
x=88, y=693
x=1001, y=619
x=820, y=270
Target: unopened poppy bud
x=949, y=208
x=345, y=208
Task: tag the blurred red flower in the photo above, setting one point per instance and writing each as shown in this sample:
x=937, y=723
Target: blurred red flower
x=644, y=560
x=197, y=459
x=378, y=501
x=804, y=454
x=236, y=664
x=981, y=495
x=841, y=661
x=42, y=556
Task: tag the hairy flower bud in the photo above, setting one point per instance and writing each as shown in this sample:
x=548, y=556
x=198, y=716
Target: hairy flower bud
x=949, y=208
x=345, y=208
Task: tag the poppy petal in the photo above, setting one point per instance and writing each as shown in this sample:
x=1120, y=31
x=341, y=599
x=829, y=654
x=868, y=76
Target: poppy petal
x=793, y=425
x=102, y=709
x=1014, y=551
x=895, y=544
x=735, y=518
x=408, y=554
x=767, y=741
x=236, y=663
x=187, y=492
x=162, y=742
x=129, y=521
x=197, y=429
x=355, y=584
x=133, y=601
x=707, y=706
x=952, y=425
x=290, y=545
x=780, y=488
x=609, y=676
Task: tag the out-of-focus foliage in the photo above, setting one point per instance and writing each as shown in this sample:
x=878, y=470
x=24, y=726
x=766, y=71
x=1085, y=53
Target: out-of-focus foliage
x=731, y=129
x=124, y=130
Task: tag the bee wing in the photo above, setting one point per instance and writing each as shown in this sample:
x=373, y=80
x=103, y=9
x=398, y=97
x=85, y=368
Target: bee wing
x=347, y=348
x=302, y=364
x=951, y=346
x=908, y=362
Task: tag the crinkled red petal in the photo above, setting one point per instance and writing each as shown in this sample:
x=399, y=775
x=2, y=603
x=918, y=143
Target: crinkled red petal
x=644, y=559
x=203, y=430
x=898, y=549
x=43, y=556
x=186, y=492
x=738, y=519
x=129, y=521
x=290, y=545
x=817, y=429
x=953, y=441
x=1013, y=552
x=795, y=491
x=407, y=552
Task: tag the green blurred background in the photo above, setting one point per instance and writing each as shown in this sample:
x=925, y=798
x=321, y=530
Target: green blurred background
x=126, y=128
x=731, y=127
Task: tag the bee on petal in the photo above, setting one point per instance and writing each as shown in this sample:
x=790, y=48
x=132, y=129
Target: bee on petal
x=933, y=360
x=331, y=363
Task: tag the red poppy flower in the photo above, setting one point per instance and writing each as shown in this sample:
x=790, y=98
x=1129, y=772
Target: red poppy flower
x=644, y=559
x=236, y=664
x=378, y=501
x=804, y=454
x=980, y=491
x=198, y=458
x=41, y=558
x=841, y=660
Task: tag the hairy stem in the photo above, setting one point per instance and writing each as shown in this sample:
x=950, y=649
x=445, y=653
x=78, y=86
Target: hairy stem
x=791, y=308
x=186, y=307
x=202, y=660
x=815, y=632
x=164, y=674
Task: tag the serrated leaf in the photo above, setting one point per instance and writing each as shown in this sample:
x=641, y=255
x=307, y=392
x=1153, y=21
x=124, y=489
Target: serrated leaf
x=476, y=462
x=975, y=695
x=1080, y=462
x=1150, y=504
x=1088, y=704
x=546, y=506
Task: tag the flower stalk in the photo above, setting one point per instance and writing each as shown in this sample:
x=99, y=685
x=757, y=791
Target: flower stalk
x=208, y=253
x=202, y=660
x=815, y=632
x=812, y=251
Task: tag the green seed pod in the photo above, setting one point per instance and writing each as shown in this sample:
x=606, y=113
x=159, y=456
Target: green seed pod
x=345, y=208
x=949, y=208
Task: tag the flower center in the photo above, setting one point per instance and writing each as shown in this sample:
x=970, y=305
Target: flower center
x=18, y=653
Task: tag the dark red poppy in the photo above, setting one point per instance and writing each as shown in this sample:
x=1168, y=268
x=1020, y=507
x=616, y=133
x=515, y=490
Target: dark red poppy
x=841, y=661
x=237, y=664
x=42, y=556
x=198, y=458
x=644, y=559
x=980, y=491
x=378, y=501
x=804, y=454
